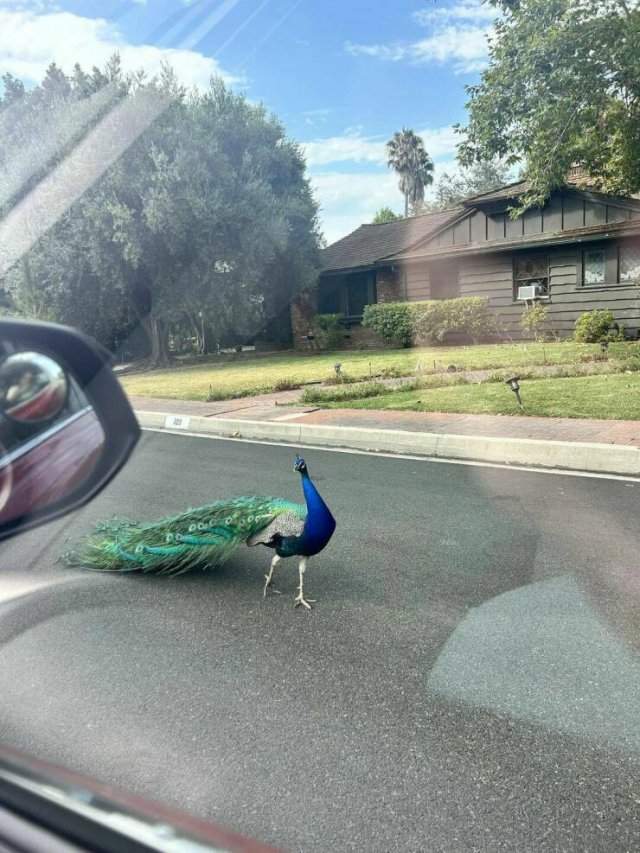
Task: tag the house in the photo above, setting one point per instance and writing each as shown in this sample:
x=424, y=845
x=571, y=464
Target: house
x=579, y=252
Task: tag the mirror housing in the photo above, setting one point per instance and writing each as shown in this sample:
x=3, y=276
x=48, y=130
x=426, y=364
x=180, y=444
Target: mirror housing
x=40, y=365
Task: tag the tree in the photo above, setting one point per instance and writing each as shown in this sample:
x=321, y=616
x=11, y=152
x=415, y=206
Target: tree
x=206, y=220
x=478, y=178
x=562, y=89
x=385, y=214
x=406, y=154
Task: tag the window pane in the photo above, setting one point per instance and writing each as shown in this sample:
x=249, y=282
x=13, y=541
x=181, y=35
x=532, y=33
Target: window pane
x=594, y=267
x=629, y=263
x=358, y=295
x=531, y=266
x=330, y=298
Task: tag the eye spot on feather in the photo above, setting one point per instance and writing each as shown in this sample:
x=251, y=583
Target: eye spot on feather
x=169, y=537
x=250, y=519
x=139, y=549
x=201, y=526
x=228, y=520
x=192, y=528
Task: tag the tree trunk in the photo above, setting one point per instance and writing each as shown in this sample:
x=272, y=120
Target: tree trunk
x=157, y=335
x=406, y=205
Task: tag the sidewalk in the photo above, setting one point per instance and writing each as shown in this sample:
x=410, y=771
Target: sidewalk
x=273, y=408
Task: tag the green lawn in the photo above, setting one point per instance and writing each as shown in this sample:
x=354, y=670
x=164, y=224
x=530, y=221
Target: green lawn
x=243, y=376
x=610, y=396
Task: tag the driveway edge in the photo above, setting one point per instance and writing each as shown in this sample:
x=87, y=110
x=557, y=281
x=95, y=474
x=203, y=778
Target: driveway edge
x=567, y=455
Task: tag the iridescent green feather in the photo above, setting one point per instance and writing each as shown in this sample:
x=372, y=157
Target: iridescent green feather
x=201, y=537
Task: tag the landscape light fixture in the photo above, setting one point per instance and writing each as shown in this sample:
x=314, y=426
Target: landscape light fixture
x=514, y=383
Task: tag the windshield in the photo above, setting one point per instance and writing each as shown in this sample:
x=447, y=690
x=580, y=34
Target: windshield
x=369, y=278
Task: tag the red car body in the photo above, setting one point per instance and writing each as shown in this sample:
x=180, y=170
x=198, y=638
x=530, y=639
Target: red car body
x=50, y=465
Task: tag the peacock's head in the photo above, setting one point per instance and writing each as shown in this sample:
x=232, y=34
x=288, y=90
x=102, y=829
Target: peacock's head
x=300, y=465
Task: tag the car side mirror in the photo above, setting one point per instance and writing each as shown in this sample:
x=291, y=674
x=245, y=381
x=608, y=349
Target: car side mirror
x=66, y=426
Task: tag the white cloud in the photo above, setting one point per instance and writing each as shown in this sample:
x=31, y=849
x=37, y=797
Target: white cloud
x=318, y=116
x=353, y=147
x=466, y=10
x=458, y=35
x=465, y=46
x=29, y=42
x=390, y=52
x=348, y=200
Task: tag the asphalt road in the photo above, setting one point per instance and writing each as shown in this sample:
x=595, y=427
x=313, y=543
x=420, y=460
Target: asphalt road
x=466, y=681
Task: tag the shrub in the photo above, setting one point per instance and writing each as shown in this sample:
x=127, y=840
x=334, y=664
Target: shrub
x=431, y=321
x=391, y=320
x=593, y=326
x=328, y=330
x=360, y=392
x=286, y=384
x=467, y=315
x=534, y=319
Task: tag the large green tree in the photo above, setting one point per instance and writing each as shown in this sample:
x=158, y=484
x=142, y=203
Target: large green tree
x=385, y=214
x=562, y=88
x=206, y=221
x=478, y=178
x=407, y=156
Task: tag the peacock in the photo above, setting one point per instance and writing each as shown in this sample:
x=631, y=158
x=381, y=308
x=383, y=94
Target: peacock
x=208, y=535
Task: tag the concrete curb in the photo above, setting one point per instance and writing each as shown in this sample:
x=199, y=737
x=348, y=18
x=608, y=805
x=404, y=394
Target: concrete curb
x=571, y=456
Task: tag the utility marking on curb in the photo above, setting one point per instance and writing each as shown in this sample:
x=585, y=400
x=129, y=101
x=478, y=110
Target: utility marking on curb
x=560, y=472
x=177, y=422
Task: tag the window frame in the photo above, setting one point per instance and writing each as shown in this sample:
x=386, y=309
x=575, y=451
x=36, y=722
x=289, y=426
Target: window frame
x=620, y=247
x=522, y=281
x=592, y=250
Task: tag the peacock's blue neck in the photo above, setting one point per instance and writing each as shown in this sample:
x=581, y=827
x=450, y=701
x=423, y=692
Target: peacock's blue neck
x=319, y=524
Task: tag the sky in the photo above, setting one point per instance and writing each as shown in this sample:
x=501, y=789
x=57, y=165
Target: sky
x=342, y=75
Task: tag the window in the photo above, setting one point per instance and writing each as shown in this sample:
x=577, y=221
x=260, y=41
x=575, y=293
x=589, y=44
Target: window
x=629, y=262
x=593, y=267
x=531, y=270
x=347, y=295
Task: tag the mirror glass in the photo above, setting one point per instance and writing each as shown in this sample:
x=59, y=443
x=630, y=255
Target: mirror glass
x=33, y=387
x=50, y=437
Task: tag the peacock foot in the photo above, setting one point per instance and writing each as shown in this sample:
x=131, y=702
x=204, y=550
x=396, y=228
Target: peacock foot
x=301, y=600
x=268, y=587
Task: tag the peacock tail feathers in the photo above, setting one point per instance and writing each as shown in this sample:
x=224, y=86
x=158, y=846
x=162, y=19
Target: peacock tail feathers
x=201, y=537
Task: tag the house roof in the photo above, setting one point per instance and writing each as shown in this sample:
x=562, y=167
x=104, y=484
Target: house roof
x=369, y=243
x=508, y=191
x=404, y=239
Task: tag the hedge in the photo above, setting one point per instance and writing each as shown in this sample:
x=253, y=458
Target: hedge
x=404, y=323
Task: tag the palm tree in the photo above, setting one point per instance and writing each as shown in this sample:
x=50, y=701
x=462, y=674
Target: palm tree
x=407, y=155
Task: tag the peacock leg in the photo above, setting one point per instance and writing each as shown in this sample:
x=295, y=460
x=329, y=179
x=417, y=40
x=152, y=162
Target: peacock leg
x=267, y=582
x=300, y=599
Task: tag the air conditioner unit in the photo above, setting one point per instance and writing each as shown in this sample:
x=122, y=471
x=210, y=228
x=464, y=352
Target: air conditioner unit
x=530, y=291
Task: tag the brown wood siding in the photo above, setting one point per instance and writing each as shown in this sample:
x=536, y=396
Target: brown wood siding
x=478, y=227
x=564, y=211
x=495, y=226
x=417, y=283
x=573, y=212
x=594, y=213
x=617, y=214
x=491, y=276
x=514, y=227
x=461, y=233
x=533, y=221
x=570, y=299
x=552, y=214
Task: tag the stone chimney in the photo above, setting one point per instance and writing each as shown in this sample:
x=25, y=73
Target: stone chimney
x=577, y=174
